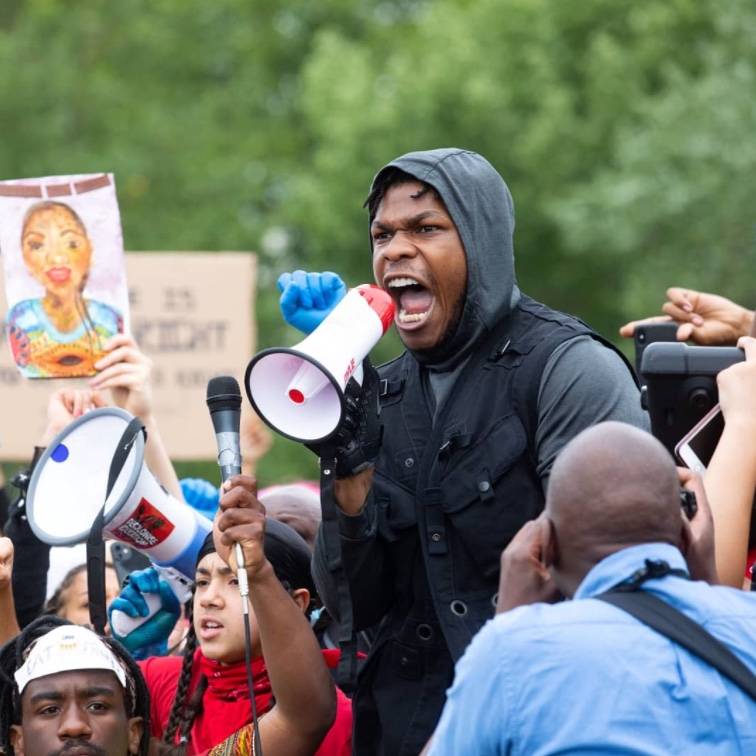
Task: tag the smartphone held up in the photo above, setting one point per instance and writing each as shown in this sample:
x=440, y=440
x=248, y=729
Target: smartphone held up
x=696, y=448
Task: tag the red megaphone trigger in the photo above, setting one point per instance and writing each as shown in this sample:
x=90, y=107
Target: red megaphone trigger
x=380, y=302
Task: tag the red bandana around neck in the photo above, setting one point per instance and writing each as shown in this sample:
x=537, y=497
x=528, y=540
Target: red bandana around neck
x=228, y=682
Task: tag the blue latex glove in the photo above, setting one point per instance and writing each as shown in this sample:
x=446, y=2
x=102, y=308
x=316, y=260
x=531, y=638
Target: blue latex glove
x=306, y=298
x=201, y=494
x=150, y=638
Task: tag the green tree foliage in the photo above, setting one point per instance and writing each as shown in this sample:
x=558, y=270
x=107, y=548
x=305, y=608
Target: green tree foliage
x=546, y=90
x=676, y=201
x=624, y=128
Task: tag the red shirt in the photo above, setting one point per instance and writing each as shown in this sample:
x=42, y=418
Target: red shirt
x=225, y=703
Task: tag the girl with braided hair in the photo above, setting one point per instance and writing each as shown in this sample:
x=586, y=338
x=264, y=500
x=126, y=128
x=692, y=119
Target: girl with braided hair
x=200, y=701
x=62, y=687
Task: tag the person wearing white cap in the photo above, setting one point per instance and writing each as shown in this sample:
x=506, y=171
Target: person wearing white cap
x=66, y=690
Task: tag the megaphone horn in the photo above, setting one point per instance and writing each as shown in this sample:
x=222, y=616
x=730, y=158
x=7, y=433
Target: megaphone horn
x=299, y=391
x=69, y=482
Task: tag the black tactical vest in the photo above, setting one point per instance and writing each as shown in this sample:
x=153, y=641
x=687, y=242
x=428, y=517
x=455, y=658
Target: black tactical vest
x=451, y=494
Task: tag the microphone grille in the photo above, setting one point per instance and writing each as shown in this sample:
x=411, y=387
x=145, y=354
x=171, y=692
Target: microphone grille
x=224, y=388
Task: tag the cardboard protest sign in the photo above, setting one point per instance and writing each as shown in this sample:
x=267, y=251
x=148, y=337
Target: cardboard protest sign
x=192, y=313
x=62, y=250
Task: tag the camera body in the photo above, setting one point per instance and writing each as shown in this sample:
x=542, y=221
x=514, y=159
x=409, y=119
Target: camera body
x=681, y=385
x=688, y=503
x=650, y=333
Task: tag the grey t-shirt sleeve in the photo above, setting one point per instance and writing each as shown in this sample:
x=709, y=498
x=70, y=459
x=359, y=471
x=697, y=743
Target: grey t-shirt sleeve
x=583, y=383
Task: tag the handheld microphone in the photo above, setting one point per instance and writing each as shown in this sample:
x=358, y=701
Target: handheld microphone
x=224, y=403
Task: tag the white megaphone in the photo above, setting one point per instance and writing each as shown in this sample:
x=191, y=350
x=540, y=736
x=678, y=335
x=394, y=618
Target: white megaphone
x=299, y=391
x=66, y=492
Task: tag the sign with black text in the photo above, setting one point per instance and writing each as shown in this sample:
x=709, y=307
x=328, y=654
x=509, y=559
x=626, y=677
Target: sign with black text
x=192, y=313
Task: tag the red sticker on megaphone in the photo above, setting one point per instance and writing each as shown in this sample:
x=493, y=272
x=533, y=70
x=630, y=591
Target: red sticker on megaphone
x=146, y=527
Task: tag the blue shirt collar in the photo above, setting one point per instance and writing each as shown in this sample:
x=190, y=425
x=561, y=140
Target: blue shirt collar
x=622, y=564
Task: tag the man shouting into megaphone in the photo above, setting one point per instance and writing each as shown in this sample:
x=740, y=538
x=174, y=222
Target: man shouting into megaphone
x=491, y=386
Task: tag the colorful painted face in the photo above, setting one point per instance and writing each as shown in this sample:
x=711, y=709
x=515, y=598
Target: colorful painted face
x=56, y=249
x=77, y=712
x=419, y=259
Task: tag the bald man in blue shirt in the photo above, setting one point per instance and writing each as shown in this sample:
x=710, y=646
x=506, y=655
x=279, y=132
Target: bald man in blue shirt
x=584, y=676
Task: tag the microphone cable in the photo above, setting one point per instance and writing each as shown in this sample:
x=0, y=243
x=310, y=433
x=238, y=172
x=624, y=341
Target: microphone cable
x=224, y=403
x=242, y=578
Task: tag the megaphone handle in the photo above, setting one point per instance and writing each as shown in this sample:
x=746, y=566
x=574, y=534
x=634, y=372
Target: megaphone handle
x=123, y=625
x=95, y=543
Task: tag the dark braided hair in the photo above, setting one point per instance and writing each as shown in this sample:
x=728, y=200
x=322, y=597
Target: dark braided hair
x=388, y=178
x=12, y=656
x=185, y=709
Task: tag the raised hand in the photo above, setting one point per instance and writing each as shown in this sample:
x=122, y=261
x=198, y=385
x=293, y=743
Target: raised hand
x=151, y=637
x=706, y=319
x=700, y=529
x=307, y=298
x=737, y=388
x=524, y=577
x=240, y=519
x=126, y=371
x=65, y=405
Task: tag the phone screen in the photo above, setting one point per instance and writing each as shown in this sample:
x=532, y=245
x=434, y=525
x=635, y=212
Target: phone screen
x=704, y=442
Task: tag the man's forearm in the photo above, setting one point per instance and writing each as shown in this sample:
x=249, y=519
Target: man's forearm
x=363, y=555
x=8, y=625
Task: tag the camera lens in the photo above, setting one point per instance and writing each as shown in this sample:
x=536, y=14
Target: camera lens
x=701, y=399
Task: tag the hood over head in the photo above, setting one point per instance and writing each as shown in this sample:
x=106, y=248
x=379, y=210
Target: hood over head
x=481, y=207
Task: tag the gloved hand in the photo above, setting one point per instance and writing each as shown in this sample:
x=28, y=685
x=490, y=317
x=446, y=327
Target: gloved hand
x=150, y=638
x=306, y=298
x=356, y=442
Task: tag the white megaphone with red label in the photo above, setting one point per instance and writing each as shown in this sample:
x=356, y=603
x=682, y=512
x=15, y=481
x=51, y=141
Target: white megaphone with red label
x=299, y=391
x=67, y=490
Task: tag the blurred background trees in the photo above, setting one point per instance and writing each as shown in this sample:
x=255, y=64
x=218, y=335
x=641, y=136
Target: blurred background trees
x=623, y=127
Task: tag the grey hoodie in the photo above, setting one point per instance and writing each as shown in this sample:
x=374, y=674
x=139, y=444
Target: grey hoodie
x=481, y=207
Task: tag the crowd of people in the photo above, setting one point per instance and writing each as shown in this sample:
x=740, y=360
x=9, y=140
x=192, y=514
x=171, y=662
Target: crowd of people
x=495, y=536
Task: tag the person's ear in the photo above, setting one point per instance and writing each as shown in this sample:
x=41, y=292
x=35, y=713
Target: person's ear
x=550, y=544
x=136, y=728
x=301, y=597
x=17, y=739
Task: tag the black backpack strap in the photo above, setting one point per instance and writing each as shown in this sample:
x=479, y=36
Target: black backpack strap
x=95, y=543
x=346, y=671
x=681, y=629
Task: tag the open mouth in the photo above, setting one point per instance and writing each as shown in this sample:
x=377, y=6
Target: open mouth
x=209, y=628
x=414, y=300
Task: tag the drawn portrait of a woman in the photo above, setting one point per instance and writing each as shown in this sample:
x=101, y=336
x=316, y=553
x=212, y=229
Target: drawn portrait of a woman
x=62, y=333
